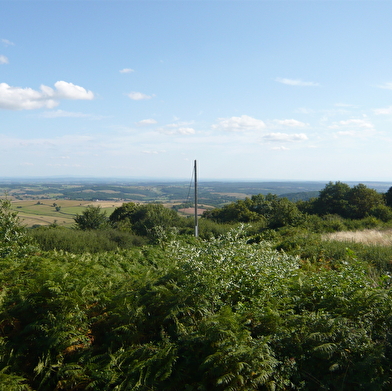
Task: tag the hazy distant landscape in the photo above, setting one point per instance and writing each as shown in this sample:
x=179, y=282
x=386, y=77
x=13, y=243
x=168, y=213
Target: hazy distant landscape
x=45, y=201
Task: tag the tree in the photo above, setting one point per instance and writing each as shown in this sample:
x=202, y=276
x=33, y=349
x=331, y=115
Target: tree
x=333, y=199
x=123, y=216
x=362, y=200
x=91, y=218
x=235, y=212
x=274, y=211
x=143, y=219
x=388, y=197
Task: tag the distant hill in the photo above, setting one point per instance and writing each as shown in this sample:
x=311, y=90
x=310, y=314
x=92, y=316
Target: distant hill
x=301, y=196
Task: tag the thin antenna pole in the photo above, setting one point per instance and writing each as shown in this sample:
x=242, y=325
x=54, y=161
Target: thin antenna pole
x=196, y=219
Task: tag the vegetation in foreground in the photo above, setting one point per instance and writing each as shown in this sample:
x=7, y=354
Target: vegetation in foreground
x=266, y=306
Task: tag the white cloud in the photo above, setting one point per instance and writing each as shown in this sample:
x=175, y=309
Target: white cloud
x=71, y=91
x=3, y=59
x=186, y=130
x=127, y=70
x=296, y=82
x=6, y=42
x=182, y=128
x=387, y=86
x=151, y=152
x=62, y=113
x=239, y=124
x=284, y=137
x=356, y=123
x=139, y=96
x=291, y=122
x=386, y=110
x=149, y=121
x=281, y=148
x=17, y=98
x=177, y=130
x=360, y=128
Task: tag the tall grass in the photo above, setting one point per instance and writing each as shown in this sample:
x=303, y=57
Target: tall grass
x=78, y=242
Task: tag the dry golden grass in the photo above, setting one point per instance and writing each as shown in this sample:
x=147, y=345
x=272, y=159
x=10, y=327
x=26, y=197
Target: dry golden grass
x=367, y=236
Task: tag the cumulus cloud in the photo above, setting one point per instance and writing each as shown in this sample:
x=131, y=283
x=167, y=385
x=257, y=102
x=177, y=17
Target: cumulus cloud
x=386, y=110
x=149, y=121
x=284, y=137
x=17, y=98
x=239, y=124
x=127, y=70
x=296, y=82
x=3, y=59
x=6, y=42
x=387, y=86
x=71, y=91
x=139, y=96
x=291, y=122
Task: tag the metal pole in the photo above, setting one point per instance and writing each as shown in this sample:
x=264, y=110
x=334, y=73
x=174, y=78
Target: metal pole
x=196, y=219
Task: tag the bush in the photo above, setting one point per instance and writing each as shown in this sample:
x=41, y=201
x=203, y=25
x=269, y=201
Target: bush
x=382, y=212
x=14, y=240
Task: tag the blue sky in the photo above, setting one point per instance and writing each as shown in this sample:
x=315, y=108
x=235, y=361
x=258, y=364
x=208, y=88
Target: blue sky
x=261, y=90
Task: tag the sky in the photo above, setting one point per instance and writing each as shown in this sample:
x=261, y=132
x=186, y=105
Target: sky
x=252, y=90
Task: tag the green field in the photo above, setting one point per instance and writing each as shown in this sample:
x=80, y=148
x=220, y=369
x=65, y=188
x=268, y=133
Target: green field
x=43, y=212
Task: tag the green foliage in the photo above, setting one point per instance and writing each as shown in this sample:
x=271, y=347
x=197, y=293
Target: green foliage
x=333, y=199
x=91, y=218
x=338, y=198
x=144, y=220
x=272, y=211
x=388, y=197
x=14, y=241
x=222, y=314
x=310, y=246
x=382, y=212
x=78, y=242
x=363, y=200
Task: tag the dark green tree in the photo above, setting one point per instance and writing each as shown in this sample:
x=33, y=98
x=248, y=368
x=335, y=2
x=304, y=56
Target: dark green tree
x=362, y=200
x=142, y=219
x=333, y=199
x=388, y=197
x=91, y=218
x=274, y=211
x=235, y=212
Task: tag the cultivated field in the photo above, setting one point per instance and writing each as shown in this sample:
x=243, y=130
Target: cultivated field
x=61, y=212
